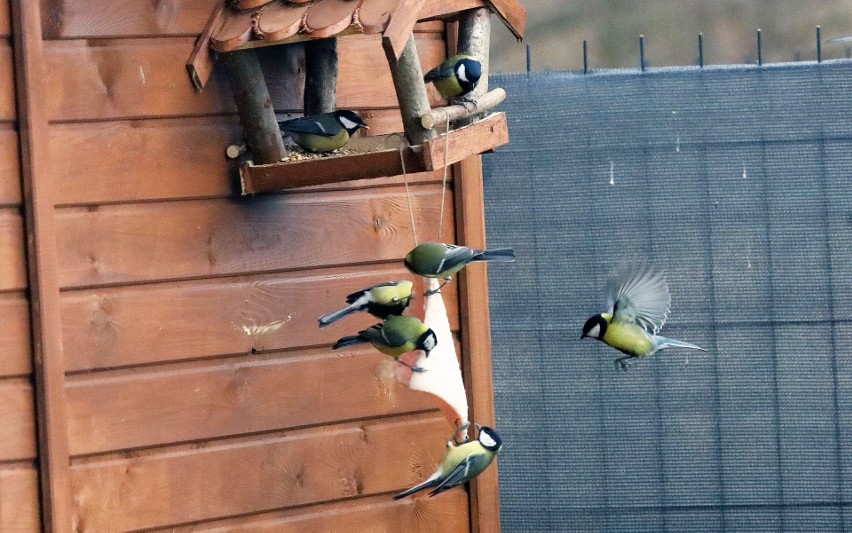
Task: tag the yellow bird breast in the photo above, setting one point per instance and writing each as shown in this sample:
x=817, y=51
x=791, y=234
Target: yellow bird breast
x=628, y=338
x=448, y=87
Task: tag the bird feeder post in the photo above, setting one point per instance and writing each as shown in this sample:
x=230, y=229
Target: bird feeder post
x=410, y=90
x=320, y=76
x=257, y=115
x=475, y=39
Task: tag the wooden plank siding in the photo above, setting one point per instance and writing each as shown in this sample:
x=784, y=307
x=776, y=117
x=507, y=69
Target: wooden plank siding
x=19, y=487
x=187, y=385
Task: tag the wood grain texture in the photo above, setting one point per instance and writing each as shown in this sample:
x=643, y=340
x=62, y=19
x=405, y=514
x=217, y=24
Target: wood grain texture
x=476, y=335
x=186, y=155
x=125, y=326
x=48, y=360
x=13, y=274
x=481, y=136
x=146, y=242
x=7, y=82
x=141, y=408
x=86, y=19
x=19, y=506
x=17, y=420
x=446, y=513
x=261, y=474
x=135, y=78
x=93, y=18
x=15, y=357
x=10, y=166
x=5, y=28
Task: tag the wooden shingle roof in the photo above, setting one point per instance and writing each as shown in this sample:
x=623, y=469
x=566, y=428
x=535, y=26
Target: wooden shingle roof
x=250, y=23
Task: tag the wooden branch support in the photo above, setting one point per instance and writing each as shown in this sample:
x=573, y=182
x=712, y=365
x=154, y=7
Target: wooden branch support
x=410, y=90
x=475, y=39
x=257, y=115
x=437, y=118
x=481, y=136
x=320, y=76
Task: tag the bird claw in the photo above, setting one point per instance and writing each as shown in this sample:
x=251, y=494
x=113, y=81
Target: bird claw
x=623, y=363
x=432, y=292
x=418, y=369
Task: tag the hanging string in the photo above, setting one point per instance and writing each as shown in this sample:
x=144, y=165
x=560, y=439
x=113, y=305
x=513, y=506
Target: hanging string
x=408, y=193
x=444, y=184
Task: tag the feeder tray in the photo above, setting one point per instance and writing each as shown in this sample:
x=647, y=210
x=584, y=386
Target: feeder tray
x=376, y=157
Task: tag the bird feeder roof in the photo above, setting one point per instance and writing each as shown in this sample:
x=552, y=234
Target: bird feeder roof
x=251, y=23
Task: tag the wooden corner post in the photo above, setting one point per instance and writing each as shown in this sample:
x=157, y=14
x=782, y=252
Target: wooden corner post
x=320, y=75
x=410, y=90
x=475, y=39
x=257, y=115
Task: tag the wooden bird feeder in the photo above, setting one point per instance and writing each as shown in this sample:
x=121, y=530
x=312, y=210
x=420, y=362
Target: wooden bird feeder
x=237, y=27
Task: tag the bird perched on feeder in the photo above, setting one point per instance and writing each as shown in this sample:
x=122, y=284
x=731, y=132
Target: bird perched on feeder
x=324, y=132
x=456, y=77
x=395, y=336
x=381, y=300
x=439, y=260
x=461, y=463
x=638, y=302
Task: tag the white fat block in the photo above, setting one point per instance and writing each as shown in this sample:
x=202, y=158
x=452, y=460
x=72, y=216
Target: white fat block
x=443, y=376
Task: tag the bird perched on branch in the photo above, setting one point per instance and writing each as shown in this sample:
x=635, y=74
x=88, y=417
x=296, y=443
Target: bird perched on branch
x=461, y=463
x=381, y=300
x=638, y=302
x=324, y=132
x=456, y=77
x=439, y=260
x=396, y=336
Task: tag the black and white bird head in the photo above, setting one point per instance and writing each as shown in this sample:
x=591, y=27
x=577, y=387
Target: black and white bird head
x=489, y=438
x=595, y=327
x=468, y=71
x=350, y=120
x=427, y=341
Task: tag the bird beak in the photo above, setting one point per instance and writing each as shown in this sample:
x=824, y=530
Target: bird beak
x=478, y=427
x=583, y=336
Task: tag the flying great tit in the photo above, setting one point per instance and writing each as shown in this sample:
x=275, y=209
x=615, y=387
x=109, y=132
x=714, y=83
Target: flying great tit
x=395, y=336
x=381, y=300
x=439, y=260
x=638, y=302
x=324, y=132
x=461, y=463
x=456, y=77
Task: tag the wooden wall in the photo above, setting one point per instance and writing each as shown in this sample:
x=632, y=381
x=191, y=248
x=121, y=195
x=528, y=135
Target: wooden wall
x=19, y=505
x=193, y=389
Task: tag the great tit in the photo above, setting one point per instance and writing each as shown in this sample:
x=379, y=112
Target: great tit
x=461, y=463
x=324, y=132
x=381, y=300
x=395, y=336
x=638, y=302
x=439, y=260
x=456, y=77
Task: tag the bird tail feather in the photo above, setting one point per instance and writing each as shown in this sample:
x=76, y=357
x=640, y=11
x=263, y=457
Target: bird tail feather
x=665, y=342
x=416, y=488
x=348, y=341
x=501, y=255
x=334, y=316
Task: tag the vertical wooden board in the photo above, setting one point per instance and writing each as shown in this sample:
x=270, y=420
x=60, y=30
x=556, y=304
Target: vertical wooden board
x=126, y=326
x=10, y=166
x=17, y=420
x=94, y=18
x=12, y=268
x=445, y=513
x=147, y=408
x=19, y=505
x=7, y=82
x=5, y=28
x=15, y=356
x=256, y=475
x=130, y=243
x=136, y=78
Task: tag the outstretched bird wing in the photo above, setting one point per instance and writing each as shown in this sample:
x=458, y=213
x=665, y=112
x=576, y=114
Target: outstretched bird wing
x=637, y=293
x=469, y=468
x=307, y=125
